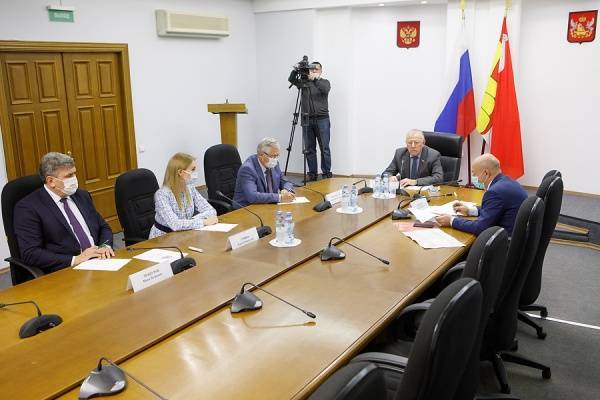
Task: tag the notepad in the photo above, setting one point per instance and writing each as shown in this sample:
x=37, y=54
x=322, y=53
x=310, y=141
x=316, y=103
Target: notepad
x=110, y=264
x=159, y=255
x=220, y=227
x=297, y=200
x=433, y=239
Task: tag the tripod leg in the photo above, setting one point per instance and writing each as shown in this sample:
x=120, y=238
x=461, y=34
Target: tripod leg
x=297, y=108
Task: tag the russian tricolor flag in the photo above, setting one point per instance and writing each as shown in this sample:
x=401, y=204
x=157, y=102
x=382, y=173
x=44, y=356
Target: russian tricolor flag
x=458, y=115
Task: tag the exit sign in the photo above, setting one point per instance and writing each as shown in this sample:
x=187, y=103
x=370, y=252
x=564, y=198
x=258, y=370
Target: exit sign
x=61, y=14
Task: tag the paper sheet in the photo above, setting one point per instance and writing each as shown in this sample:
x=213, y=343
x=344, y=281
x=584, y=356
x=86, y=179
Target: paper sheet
x=433, y=239
x=417, y=188
x=159, y=255
x=448, y=208
x=297, y=200
x=111, y=264
x=421, y=210
x=220, y=227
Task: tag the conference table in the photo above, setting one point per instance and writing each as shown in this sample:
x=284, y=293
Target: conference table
x=179, y=336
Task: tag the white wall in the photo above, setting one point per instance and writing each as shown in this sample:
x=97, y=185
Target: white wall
x=559, y=96
x=172, y=79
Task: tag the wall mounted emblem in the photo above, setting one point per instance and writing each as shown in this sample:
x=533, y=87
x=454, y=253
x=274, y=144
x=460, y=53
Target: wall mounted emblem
x=409, y=33
x=582, y=26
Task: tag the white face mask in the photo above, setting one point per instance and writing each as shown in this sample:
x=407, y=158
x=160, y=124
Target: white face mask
x=272, y=163
x=477, y=183
x=193, y=177
x=70, y=185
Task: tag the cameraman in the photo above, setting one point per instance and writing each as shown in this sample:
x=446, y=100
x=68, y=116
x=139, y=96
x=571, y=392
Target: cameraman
x=315, y=106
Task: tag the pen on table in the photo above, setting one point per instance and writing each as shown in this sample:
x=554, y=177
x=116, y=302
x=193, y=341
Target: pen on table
x=197, y=249
x=105, y=244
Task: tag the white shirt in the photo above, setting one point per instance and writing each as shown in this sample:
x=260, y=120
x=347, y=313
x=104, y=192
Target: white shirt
x=78, y=216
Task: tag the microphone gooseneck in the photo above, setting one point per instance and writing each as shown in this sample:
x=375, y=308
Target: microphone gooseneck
x=2, y=305
x=264, y=230
x=177, y=265
x=330, y=246
x=365, y=189
x=308, y=313
x=319, y=207
x=36, y=324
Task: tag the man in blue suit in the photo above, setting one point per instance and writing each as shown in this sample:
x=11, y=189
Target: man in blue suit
x=500, y=203
x=57, y=226
x=260, y=180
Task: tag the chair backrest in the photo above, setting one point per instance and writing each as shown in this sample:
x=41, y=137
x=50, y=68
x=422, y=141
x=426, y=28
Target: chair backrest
x=355, y=381
x=443, y=343
x=450, y=147
x=221, y=165
x=551, y=191
x=485, y=263
x=12, y=192
x=134, y=198
x=502, y=326
x=552, y=173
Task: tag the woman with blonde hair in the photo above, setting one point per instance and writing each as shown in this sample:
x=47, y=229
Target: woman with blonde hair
x=178, y=204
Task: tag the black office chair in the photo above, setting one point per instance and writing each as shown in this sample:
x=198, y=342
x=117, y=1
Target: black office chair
x=134, y=199
x=12, y=192
x=551, y=191
x=221, y=165
x=485, y=263
x=450, y=147
x=437, y=358
x=501, y=329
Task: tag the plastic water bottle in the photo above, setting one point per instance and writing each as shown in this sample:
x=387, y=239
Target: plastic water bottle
x=280, y=231
x=377, y=187
x=386, y=186
x=345, y=197
x=354, y=198
x=289, y=225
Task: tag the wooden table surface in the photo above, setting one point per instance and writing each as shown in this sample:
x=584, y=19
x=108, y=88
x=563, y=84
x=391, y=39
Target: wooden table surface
x=183, y=324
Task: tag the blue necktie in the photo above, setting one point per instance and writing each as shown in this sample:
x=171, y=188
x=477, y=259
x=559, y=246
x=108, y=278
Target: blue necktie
x=414, y=167
x=84, y=242
x=269, y=179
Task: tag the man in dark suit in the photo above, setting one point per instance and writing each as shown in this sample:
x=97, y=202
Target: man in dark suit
x=416, y=164
x=260, y=180
x=57, y=226
x=500, y=203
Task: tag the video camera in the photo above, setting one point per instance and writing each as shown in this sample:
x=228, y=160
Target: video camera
x=303, y=68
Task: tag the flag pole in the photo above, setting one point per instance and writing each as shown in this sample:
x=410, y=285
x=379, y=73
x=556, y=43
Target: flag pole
x=469, y=183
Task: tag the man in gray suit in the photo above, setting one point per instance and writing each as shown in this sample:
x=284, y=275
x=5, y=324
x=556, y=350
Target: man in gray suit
x=416, y=164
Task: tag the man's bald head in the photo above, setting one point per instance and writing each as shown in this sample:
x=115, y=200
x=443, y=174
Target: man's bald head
x=485, y=167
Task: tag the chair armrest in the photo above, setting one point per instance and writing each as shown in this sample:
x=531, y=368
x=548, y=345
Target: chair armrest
x=453, y=274
x=387, y=361
x=221, y=206
x=33, y=271
x=406, y=325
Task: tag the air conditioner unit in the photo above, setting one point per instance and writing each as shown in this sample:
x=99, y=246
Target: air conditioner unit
x=176, y=23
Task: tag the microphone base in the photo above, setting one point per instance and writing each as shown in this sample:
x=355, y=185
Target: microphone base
x=332, y=253
x=245, y=301
x=38, y=324
x=322, y=206
x=365, y=190
x=400, y=214
x=107, y=381
x=264, y=231
x=182, y=264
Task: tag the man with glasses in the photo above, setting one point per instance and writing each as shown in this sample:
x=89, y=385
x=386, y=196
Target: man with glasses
x=416, y=164
x=260, y=180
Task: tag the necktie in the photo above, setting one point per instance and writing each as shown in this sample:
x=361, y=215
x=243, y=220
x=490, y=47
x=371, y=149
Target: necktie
x=269, y=178
x=414, y=167
x=84, y=242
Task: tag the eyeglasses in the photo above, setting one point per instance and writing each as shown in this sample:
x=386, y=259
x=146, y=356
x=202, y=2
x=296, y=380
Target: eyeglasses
x=271, y=156
x=414, y=142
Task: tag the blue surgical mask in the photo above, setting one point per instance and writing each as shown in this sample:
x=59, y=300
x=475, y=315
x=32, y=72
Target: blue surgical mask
x=476, y=183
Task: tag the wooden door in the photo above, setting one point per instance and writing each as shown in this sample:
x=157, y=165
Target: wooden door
x=37, y=113
x=74, y=98
x=96, y=117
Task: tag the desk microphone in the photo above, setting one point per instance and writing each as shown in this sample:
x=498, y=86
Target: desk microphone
x=245, y=300
x=178, y=265
x=36, y=324
x=454, y=182
x=263, y=230
x=333, y=253
x=319, y=207
x=365, y=189
x=108, y=380
x=399, y=213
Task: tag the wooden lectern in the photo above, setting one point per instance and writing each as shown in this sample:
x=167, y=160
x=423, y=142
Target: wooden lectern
x=228, y=113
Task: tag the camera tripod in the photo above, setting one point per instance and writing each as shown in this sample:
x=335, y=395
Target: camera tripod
x=304, y=122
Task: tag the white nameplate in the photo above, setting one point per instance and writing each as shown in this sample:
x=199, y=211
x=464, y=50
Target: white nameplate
x=241, y=239
x=149, y=276
x=334, y=197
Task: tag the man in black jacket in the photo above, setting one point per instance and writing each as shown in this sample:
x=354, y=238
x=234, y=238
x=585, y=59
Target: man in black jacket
x=315, y=92
x=57, y=225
